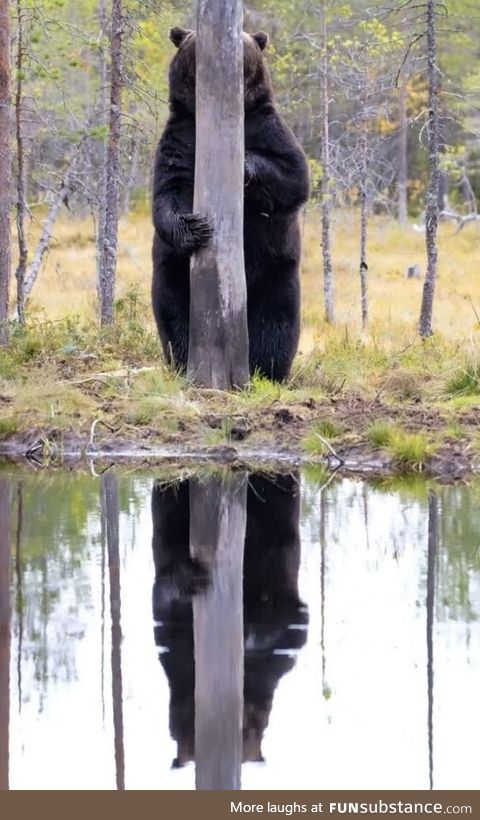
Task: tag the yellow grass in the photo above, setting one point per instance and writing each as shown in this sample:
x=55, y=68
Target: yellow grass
x=67, y=282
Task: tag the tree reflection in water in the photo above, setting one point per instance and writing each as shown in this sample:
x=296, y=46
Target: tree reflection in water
x=274, y=618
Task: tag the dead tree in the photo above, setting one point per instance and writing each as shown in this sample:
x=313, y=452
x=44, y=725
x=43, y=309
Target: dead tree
x=218, y=337
x=432, y=208
x=5, y=167
x=217, y=536
x=108, y=251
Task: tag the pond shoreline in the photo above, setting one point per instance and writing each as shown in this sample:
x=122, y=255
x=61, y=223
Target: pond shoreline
x=52, y=448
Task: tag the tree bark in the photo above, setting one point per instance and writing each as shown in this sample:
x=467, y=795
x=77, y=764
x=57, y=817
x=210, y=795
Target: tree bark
x=217, y=537
x=5, y=630
x=108, y=256
x=5, y=169
x=102, y=187
x=431, y=213
x=218, y=337
x=328, y=290
x=22, y=208
x=402, y=152
x=364, y=213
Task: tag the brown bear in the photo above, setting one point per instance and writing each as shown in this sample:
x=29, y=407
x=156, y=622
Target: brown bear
x=276, y=187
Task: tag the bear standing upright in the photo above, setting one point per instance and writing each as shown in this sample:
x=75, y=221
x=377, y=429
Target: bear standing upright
x=276, y=187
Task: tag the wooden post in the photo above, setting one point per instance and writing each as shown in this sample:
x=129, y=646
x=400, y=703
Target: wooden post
x=217, y=537
x=218, y=335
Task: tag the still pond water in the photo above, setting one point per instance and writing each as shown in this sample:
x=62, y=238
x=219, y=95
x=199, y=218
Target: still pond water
x=352, y=662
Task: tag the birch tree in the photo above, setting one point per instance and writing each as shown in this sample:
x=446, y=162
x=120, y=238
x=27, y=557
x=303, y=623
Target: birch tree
x=218, y=337
x=432, y=208
x=5, y=167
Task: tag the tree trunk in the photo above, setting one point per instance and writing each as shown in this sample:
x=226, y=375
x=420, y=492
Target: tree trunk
x=5, y=168
x=102, y=185
x=431, y=213
x=108, y=255
x=22, y=208
x=402, y=152
x=217, y=537
x=48, y=225
x=110, y=520
x=364, y=214
x=5, y=631
x=218, y=337
x=326, y=193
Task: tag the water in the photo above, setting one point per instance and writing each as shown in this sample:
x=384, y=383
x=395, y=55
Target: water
x=360, y=624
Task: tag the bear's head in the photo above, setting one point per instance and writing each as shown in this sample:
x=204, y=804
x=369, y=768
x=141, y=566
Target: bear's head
x=257, y=84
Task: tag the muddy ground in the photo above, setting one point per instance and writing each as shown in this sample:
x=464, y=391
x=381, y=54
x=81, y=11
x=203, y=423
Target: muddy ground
x=271, y=437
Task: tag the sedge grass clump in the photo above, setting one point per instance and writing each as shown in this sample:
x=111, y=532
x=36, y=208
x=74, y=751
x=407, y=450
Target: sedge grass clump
x=316, y=442
x=466, y=380
x=409, y=450
x=381, y=433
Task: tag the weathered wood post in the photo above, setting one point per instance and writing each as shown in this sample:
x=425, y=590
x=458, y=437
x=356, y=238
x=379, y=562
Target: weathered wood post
x=217, y=537
x=218, y=335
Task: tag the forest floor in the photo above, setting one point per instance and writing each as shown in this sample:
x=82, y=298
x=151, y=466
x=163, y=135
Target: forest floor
x=371, y=401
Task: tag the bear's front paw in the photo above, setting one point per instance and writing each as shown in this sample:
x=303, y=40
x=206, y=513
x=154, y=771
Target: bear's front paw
x=194, y=232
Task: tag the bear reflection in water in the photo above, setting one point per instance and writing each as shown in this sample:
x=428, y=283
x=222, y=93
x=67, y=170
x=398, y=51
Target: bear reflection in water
x=275, y=620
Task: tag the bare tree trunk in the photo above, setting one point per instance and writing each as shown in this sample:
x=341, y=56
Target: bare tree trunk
x=22, y=208
x=132, y=177
x=108, y=256
x=110, y=521
x=217, y=537
x=326, y=193
x=48, y=225
x=5, y=168
x=431, y=214
x=402, y=151
x=5, y=628
x=364, y=214
x=430, y=605
x=218, y=338
x=102, y=188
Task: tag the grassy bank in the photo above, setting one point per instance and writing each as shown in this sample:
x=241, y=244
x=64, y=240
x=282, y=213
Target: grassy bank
x=382, y=389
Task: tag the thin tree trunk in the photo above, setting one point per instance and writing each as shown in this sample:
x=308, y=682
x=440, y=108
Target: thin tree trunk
x=326, y=193
x=402, y=201
x=110, y=522
x=431, y=215
x=5, y=169
x=217, y=537
x=364, y=214
x=48, y=225
x=5, y=630
x=430, y=605
x=22, y=208
x=108, y=256
x=218, y=337
x=102, y=186
x=132, y=177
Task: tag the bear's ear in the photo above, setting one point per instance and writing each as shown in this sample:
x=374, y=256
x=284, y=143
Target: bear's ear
x=177, y=35
x=261, y=40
